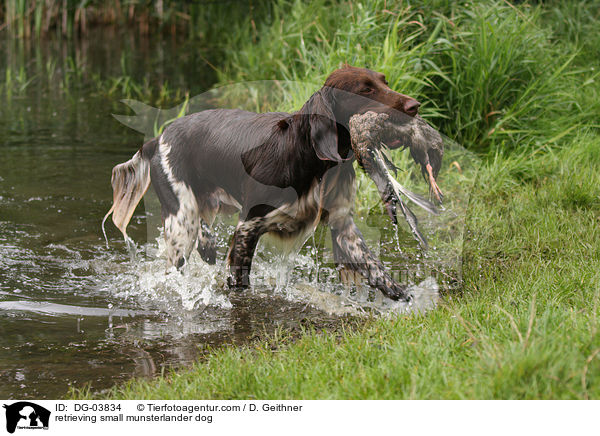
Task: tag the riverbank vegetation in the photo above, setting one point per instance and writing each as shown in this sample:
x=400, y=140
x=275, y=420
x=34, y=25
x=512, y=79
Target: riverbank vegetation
x=516, y=84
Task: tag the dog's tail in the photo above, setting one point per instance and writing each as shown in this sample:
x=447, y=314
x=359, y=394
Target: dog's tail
x=130, y=181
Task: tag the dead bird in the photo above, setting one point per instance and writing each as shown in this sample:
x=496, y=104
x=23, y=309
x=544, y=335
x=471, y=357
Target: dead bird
x=369, y=131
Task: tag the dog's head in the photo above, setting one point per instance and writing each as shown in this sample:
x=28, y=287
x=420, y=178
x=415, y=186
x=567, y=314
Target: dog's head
x=358, y=90
x=351, y=91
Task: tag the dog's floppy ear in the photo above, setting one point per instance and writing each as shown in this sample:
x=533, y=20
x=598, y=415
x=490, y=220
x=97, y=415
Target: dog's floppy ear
x=323, y=129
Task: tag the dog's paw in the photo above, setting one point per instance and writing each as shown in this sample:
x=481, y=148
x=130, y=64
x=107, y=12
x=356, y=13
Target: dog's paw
x=208, y=253
x=237, y=284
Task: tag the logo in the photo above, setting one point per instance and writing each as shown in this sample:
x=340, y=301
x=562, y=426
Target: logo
x=26, y=415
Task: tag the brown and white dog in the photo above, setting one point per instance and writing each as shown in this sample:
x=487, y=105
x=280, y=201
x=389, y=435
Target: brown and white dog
x=284, y=172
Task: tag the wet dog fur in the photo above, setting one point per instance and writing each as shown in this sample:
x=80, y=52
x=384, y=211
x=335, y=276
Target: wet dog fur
x=285, y=173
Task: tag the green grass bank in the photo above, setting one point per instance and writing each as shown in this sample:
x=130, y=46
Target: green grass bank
x=518, y=85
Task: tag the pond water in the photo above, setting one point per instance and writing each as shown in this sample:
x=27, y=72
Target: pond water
x=75, y=312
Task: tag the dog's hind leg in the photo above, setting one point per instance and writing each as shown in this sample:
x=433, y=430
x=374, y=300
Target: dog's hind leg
x=182, y=227
x=179, y=208
x=181, y=236
x=208, y=205
x=207, y=244
x=241, y=250
x=351, y=253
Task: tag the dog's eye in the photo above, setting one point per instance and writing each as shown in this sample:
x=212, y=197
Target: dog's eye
x=366, y=90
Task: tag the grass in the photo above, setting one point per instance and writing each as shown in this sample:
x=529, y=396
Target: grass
x=525, y=325
x=516, y=84
x=490, y=75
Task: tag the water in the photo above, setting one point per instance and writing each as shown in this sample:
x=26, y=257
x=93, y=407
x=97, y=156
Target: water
x=74, y=312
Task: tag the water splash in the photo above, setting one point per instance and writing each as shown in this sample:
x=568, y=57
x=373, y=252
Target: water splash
x=149, y=282
x=300, y=277
x=297, y=277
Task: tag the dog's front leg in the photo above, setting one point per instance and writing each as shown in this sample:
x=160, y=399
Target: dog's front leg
x=351, y=252
x=241, y=251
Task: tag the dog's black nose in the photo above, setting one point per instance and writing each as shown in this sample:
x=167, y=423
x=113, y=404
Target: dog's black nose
x=411, y=107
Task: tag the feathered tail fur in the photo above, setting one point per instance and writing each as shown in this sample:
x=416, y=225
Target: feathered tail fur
x=130, y=181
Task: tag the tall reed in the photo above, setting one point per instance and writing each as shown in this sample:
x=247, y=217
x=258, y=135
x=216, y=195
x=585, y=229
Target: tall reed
x=70, y=18
x=491, y=75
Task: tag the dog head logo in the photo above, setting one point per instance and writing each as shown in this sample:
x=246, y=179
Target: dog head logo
x=26, y=415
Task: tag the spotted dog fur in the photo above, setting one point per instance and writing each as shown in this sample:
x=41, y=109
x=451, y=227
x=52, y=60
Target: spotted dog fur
x=181, y=228
x=291, y=221
x=351, y=254
x=207, y=244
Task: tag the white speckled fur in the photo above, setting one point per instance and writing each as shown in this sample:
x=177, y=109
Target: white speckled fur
x=182, y=229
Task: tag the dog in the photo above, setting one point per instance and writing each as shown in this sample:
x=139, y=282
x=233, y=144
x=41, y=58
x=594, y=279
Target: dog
x=285, y=173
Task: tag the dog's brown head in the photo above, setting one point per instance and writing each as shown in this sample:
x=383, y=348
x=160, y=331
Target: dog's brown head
x=361, y=90
x=349, y=91
x=353, y=91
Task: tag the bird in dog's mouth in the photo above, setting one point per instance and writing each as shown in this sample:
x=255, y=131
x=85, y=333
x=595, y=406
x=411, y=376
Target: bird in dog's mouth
x=371, y=133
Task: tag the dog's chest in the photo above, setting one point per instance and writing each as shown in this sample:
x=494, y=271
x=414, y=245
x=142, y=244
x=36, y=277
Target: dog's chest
x=328, y=197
